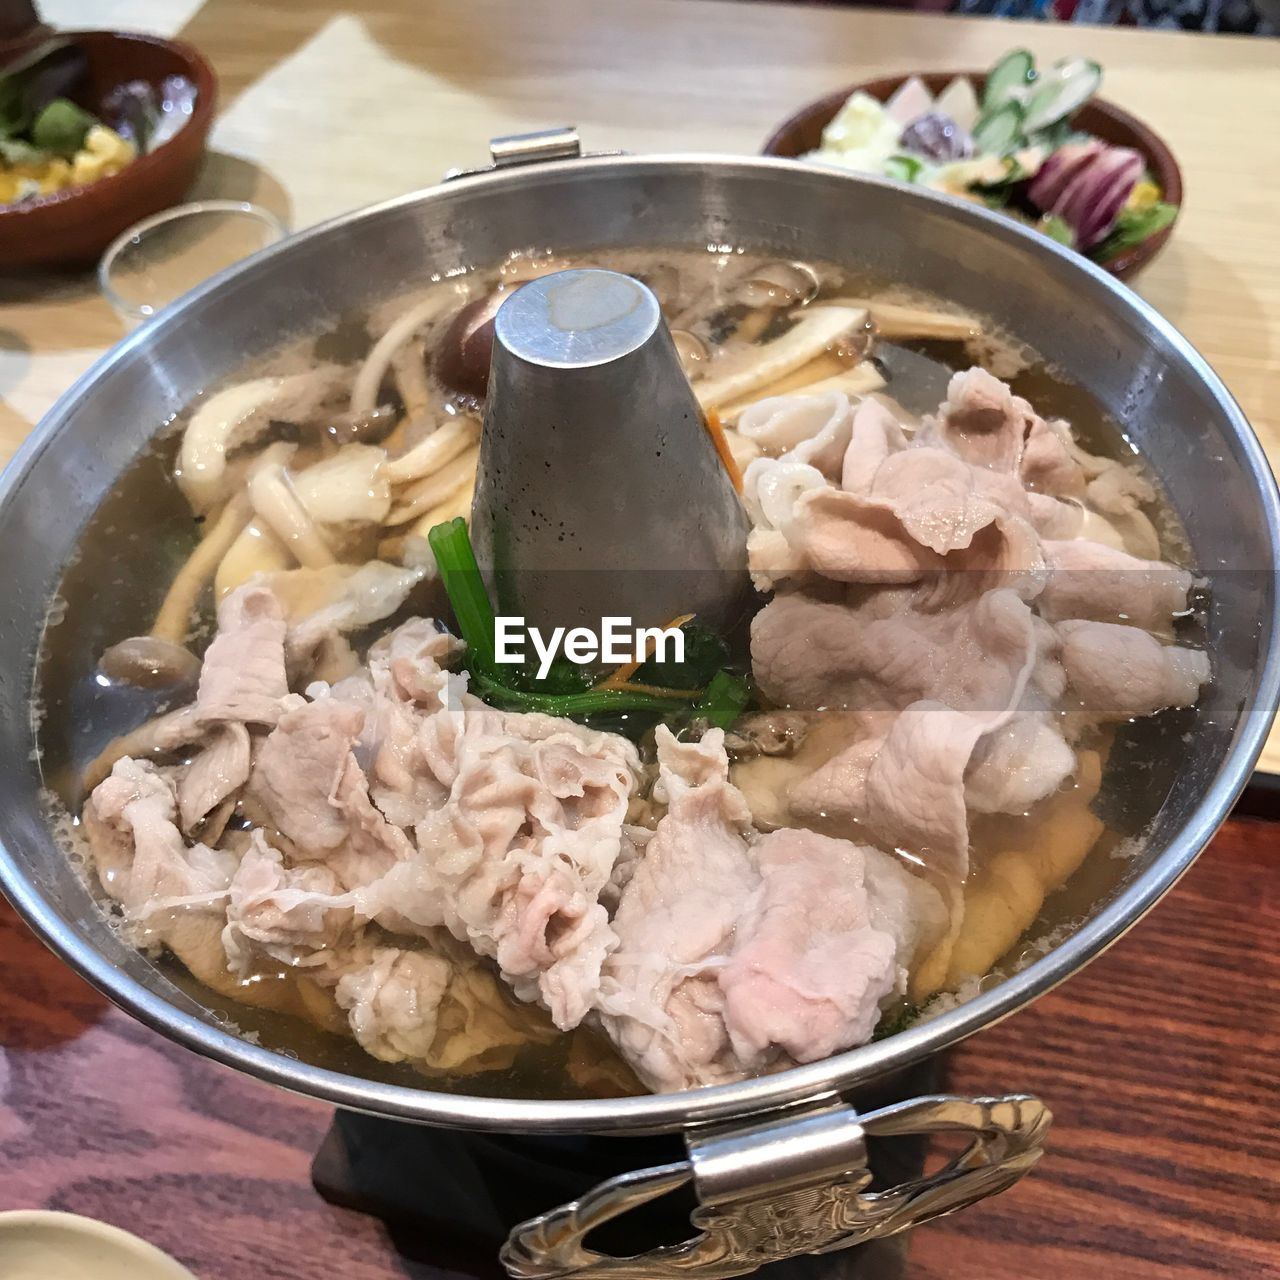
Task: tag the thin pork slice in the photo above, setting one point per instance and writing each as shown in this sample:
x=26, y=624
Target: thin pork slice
x=393, y=1002
x=737, y=955
x=307, y=784
x=216, y=774
x=982, y=421
x=296, y=915
x=243, y=674
x=520, y=851
x=1119, y=672
x=883, y=654
x=810, y=968
x=163, y=887
x=1101, y=584
x=660, y=1000
x=517, y=820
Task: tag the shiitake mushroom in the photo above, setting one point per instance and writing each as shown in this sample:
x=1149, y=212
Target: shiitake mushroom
x=463, y=355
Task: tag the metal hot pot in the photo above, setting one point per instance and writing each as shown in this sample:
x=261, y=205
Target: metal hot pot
x=779, y=1163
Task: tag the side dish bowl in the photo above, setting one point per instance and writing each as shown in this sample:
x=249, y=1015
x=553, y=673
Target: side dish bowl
x=801, y=133
x=71, y=228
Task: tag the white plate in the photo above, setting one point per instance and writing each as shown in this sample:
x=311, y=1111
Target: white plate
x=36, y=1244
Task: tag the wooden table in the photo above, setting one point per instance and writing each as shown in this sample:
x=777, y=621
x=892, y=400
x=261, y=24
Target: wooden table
x=1161, y=1061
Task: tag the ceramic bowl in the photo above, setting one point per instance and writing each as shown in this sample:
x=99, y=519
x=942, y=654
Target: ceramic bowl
x=71, y=228
x=802, y=132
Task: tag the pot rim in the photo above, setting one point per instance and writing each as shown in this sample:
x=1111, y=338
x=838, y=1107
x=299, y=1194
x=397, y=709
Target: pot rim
x=797, y=1085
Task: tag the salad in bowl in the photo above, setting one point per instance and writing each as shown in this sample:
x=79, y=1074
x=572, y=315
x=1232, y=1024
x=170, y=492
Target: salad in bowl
x=1017, y=139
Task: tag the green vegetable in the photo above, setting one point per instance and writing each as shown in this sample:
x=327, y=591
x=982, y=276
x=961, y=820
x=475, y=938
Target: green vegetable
x=903, y=168
x=15, y=151
x=61, y=128
x=1008, y=80
x=1058, y=229
x=1060, y=91
x=704, y=654
x=566, y=689
x=724, y=701
x=35, y=78
x=1133, y=227
x=899, y=1018
x=451, y=545
x=1000, y=130
x=589, y=702
x=1053, y=136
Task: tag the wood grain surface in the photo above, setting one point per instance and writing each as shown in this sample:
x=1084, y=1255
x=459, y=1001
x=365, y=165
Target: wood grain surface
x=1161, y=1062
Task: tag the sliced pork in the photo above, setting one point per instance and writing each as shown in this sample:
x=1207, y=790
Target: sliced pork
x=516, y=820
x=659, y=993
x=962, y=545
x=295, y=914
x=393, y=1002
x=1119, y=672
x=1103, y=584
x=737, y=954
x=815, y=953
x=243, y=676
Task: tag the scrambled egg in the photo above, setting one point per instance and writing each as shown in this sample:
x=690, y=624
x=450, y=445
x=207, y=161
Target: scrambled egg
x=1144, y=195
x=104, y=153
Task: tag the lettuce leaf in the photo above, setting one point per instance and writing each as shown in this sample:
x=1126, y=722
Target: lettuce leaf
x=1133, y=227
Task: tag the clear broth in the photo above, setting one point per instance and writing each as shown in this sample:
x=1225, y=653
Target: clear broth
x=119, y=577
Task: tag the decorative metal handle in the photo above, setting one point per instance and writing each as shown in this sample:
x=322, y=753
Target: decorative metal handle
x=530, y=148
x=795, y=1185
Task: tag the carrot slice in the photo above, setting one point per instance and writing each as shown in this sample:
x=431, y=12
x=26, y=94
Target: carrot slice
x=618, y=679
x=716, y=432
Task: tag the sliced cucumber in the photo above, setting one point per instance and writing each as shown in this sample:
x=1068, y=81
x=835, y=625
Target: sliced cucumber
x=903, y=168
x=1007, y=80
x=1000, y=130
x=1064, y=88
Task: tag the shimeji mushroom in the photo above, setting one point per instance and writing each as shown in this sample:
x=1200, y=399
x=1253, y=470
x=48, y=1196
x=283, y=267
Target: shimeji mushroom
x=174, y=619
x=257, y=550
x=237, y=416
x=894, y=320
x=818, y=330
x=276, y=503
x=364, y=391
x=827, y=373
x=150, y=662
x=692, y=351
x=434, y=489
x=350, y=488
x=447, y=441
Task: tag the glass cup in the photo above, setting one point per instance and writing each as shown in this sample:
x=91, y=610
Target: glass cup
x=162, y=257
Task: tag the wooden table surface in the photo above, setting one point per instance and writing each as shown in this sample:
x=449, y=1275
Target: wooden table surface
x=1161, y=1060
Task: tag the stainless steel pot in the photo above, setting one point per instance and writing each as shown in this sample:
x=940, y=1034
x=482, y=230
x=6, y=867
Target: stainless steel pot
x=778, y=1163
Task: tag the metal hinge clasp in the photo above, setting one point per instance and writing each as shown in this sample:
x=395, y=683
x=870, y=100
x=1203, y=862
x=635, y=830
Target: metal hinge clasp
x=530, y=148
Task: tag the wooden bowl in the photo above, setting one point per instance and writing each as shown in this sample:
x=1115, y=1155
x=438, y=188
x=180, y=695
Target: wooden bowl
x=802, y=133
x=71, y=228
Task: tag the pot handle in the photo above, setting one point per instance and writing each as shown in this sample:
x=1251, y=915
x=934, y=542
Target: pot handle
x=795, y=1185
x=514, y=149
